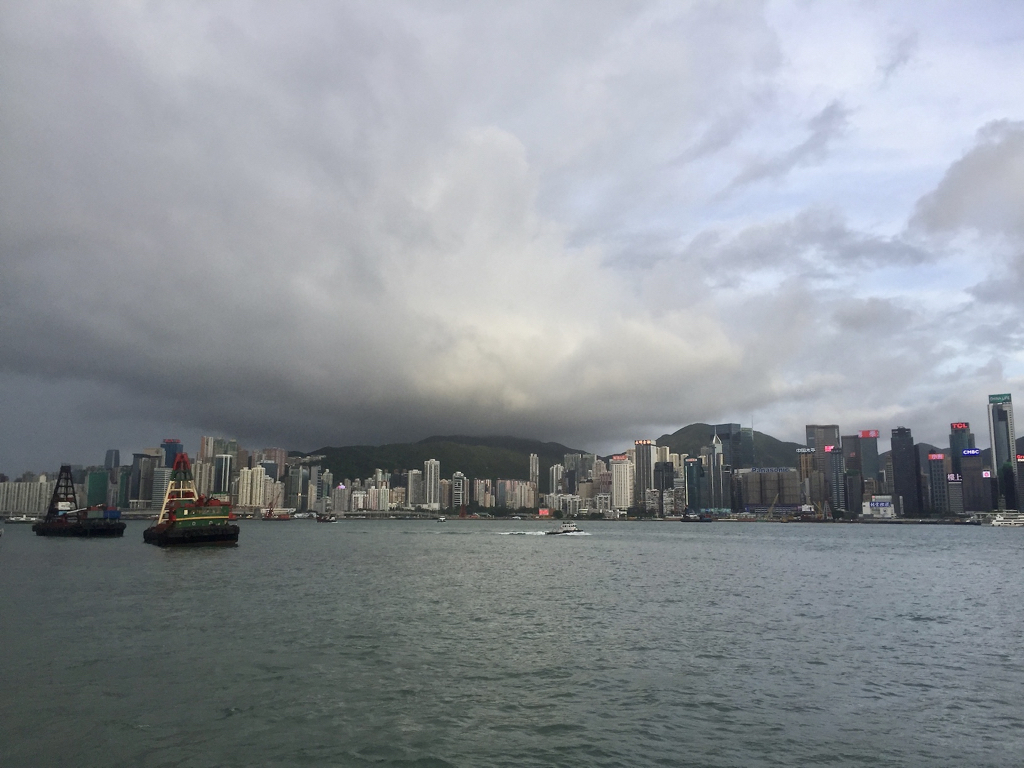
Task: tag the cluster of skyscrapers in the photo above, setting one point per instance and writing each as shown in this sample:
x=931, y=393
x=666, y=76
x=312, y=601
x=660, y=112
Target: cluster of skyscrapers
x=835, y=475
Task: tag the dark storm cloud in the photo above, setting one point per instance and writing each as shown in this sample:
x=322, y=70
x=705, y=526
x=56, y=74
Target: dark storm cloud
x=325, y=223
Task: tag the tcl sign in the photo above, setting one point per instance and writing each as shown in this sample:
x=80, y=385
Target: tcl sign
x=869, y=433
x=959, y=425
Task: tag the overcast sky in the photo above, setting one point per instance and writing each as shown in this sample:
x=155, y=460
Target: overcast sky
x=308, y=224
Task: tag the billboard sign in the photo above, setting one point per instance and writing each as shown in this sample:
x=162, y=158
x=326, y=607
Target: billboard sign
x=953, y=477
x=972, y=452
x=543, y=512
x=936, y=456
x=1020, y=457
x=959, y=425
x=986, y=473
x=880, y=503
x=993, y=399
x=869, y=433
x=805, y=450
x=829, y=448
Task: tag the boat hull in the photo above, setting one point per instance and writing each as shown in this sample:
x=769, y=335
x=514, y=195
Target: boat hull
x=207, y=535
x=80, y=529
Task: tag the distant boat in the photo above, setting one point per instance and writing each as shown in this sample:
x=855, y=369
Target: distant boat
x=442, y=519
x=326, y=518
x=1014, y=521
x=22, y=519
x=64, y=518
x=567, y=527
x=278, y=513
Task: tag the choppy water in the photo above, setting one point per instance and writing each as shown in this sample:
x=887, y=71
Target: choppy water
x=418, y=644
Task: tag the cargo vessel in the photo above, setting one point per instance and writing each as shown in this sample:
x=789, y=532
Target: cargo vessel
x=64, y=518
x=187, y=519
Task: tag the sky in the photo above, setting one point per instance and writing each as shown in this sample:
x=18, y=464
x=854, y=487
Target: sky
x=309, y=224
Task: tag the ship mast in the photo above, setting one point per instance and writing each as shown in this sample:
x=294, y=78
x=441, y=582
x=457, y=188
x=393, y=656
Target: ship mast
x=63, y=491
x=181, y=488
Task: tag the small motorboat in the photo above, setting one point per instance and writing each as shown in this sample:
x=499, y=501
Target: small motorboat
x=442, y=519
x=567, y=527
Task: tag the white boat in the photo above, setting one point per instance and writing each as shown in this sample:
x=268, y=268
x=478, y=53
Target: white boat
x=567, y=527
x=442, y=519
x=1014, y=521
x=22, y=519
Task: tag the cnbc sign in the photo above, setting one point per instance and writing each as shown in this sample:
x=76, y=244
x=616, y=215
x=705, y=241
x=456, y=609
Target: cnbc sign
x=999, y=398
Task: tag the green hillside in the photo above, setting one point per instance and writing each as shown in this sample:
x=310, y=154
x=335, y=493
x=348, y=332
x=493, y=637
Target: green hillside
x=768, y=451
x=481, y=457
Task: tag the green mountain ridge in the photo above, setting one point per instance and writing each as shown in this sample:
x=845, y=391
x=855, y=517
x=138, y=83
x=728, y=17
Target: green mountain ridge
x=491, y=457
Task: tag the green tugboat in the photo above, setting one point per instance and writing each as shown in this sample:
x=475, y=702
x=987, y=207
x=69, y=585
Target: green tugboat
x=64, y=518
x=188, y=519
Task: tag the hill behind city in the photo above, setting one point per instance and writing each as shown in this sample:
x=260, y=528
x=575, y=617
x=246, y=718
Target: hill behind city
x=491, y=457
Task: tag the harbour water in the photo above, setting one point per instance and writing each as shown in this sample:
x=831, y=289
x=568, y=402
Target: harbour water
x=401, y=643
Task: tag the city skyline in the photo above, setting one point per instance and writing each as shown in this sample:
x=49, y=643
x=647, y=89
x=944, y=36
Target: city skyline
x=363, y=224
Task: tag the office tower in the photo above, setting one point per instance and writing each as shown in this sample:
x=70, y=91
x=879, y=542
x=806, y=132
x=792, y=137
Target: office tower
x=170, y=448
x=937, y=483
x=414, y=488
x=112, y=460
x=432, y=483
x=869, y=468
x=622, y=482
x=1004, y=447
x=819, y=437
x=141, y=483
x=976, y=488
x=836, y=478
x=206, y=450
x=960, y=439
x=643, y=478
x=661, y=453
x=535, y=470
x=96, y=488
x=161, y=479
x=852, y=453
x=905, y=480
x=270, y=469
x=693, y=469
x=555, y=475
x=460, y=490
x=664, y=480
x=222, y=466
x=719, y=495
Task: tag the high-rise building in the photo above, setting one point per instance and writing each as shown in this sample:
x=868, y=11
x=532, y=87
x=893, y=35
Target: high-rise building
x=643, y=479
x=161, y=479
x=432, y=483
x=622, y=482
x=938, y=491
x=819, y=437
x=960, y=439
x=222, y=466
x=746, y=457
x=1004, y=447
x=414, y=488
x=170, y=448
x=535, y=470
x=112, y=460
x=869, y=468
x=460, y=490
x=555, y=475
x=977, y=489
x=836, y=478
x=905, y=480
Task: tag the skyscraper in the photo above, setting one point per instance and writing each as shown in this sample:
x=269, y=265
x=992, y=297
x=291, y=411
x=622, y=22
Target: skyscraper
x=818, y=437
x=112, y=460
x=432, y=483
x=1004, y=447
x=905, y=481
x=937, y=483
x=622, y=482
x=960, y=439
x=171, y=448
x=535, y=470
x=222, y=466
x=414, y=488
x=643, y=479
x=460, y=490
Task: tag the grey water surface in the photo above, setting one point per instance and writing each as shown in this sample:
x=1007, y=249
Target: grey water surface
x=400, y=643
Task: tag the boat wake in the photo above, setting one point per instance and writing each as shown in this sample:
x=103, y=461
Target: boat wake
x=520, y=533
